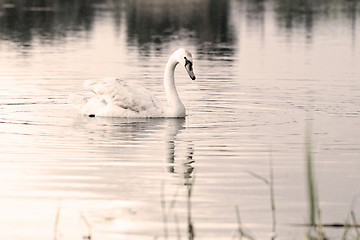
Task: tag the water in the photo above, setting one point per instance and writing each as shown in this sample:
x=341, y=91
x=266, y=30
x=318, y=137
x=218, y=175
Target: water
x=265, y=71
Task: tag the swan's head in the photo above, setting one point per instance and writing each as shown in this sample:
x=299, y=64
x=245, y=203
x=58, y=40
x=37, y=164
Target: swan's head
x=184, y=57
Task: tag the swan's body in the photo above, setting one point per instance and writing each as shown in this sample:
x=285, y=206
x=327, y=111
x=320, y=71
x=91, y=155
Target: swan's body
x=119, y=98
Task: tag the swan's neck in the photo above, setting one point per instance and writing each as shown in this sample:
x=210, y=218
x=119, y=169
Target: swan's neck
x=175, y=106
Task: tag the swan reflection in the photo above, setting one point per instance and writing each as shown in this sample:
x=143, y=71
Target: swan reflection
x=174, y=126
x=138, y=142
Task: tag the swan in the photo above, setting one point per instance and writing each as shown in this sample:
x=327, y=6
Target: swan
x=120, y=98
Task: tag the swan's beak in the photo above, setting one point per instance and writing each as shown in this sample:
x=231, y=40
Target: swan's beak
x=190, y=71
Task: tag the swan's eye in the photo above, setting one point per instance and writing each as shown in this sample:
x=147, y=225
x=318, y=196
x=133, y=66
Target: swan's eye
x=187, y=62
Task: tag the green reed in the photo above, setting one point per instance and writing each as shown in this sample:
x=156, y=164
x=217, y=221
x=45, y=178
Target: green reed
x=242, y=233
x=270, y=183
x=315, y=230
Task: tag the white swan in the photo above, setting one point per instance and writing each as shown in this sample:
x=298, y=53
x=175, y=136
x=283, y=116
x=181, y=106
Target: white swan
x=119, y=98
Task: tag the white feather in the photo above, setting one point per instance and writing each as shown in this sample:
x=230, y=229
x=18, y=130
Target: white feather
x=119, y=98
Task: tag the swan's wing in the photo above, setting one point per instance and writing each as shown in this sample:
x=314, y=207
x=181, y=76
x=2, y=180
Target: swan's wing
x=123, y=94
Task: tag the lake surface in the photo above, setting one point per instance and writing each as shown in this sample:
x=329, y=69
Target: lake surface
x=267, y=72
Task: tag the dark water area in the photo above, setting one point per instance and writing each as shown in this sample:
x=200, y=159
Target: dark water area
x=146, y=21
x=156, y=21
x=271, y=75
